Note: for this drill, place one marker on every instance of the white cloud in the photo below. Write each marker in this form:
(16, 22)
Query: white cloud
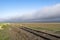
(48, 13)
(51, 11)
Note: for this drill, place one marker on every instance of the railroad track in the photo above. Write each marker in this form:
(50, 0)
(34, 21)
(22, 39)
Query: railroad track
(45, 36)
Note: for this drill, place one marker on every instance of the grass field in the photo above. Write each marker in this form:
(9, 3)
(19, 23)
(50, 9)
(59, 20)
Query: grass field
(4, 35)
(53, 28)
(46, 27)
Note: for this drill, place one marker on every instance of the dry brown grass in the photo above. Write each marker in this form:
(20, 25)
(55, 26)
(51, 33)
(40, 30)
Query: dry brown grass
(23, 35)
(52, 26)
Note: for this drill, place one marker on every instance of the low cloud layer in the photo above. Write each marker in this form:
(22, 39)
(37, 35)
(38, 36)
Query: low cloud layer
(48, 14)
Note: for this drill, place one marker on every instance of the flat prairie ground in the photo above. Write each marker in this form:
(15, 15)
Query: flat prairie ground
(4, 35)
(45, 27)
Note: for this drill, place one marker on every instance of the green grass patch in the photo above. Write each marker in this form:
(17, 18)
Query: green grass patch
(4, 35)
(48, 28)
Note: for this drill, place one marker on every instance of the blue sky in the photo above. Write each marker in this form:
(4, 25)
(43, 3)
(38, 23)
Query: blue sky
(25, 9)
